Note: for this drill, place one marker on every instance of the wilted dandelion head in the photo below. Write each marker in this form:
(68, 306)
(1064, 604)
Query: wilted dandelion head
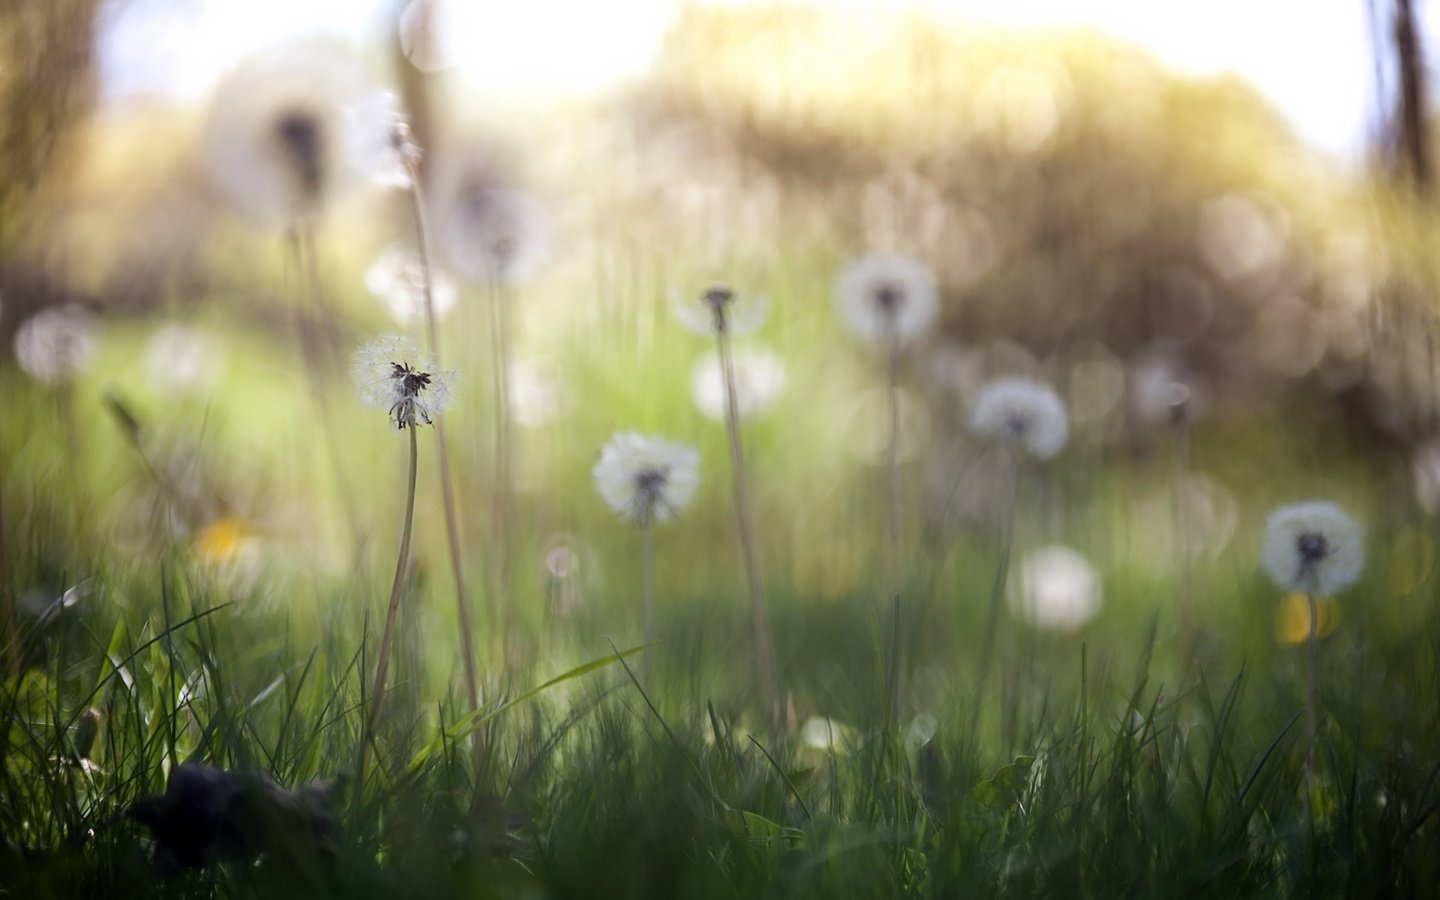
(397, 277)
(283, 130)
(887, 298)
(492, 232)
(55, 344)
(1023, 413)
(759, 381)
(1313, 547)
(1059, 589)
(719, 306)
(646, 479)
(392, 374)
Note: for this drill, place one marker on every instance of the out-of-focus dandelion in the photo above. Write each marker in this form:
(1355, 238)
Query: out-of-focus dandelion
(279, 138)
(1313, 548)
(537, 394)
(645, 480)
(397, 277)
(722, 304)
(760, 380)
(180, 359)
(492, 233)
(890, 301)
(887, 298)
(392, 374)
(741, 314)
(1059, 589)
(56, 344)
(1024, 414)
(378, 139)
(1162, 391)
(828, 735)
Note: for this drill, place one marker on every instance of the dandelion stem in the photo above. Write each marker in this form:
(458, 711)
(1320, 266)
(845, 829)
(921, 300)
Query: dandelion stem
(1182, 543)
(447, 487)
(900, 643)
(382, 665)
(997, 594)
(759, 611)
(500, 509)
(7, 599)
(648, 593)
(1310, 700)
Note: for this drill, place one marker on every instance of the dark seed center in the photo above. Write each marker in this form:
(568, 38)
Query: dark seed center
(1312, 548)
(301, 134)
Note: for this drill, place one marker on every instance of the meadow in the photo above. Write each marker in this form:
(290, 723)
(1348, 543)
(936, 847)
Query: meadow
(995, 609)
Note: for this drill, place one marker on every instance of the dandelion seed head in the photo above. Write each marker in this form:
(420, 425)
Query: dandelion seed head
(391, 374)
(646, 479)
(56, 344)
(1023, 413)
(743, 314)
(180, 359)
(397, 277)
(492, 232)
(760, 380)
(279, 139)
(1162, 390)
(1313, 547)
(885, 298)
(379, 140)
(1059, 589)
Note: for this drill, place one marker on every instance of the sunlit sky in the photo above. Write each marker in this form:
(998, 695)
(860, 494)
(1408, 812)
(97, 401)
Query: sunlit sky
(1311, 57)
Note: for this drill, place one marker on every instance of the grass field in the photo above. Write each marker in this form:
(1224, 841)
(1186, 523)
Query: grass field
(199, 522)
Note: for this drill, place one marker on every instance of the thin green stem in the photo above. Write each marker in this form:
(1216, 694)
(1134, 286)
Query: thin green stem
(759, 611)
(500, 508)
(648, 593)
(447, 487)
(899, 638)
(1311, 701)
(997, 592)
(382, 665)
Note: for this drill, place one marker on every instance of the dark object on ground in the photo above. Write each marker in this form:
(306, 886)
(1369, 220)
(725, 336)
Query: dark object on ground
(211, 815)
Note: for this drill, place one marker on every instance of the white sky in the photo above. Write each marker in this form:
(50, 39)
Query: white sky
(1311, 57)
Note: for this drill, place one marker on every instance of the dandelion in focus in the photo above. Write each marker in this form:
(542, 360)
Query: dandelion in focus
(397, 277)
(278, 141)
(887, 298)
(1059, 590)
(760, 380)
(56, 344)
(645, 480)
(1313, 548)
(1022, 413)
(392, 374)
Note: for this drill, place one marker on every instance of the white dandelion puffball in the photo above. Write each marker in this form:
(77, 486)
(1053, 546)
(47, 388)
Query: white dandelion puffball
(57, 343)
(278, 140)
(180, 359)
(1059, 589)
(647, 479)
(398, 279)
(828, 735)
(392, 375)
(759, 381)
(886, 298)
(538, 395)
(492, 232)
(377, 135)
(743, 313)
(1313, 547)
(1024, 413)
(1162, 391)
